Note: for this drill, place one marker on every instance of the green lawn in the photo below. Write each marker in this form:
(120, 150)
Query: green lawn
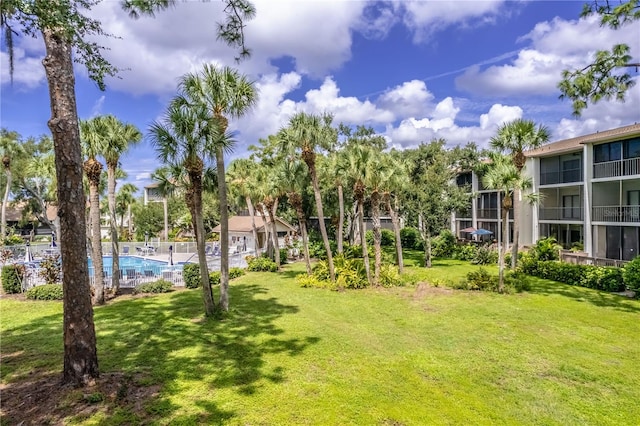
(402, 356)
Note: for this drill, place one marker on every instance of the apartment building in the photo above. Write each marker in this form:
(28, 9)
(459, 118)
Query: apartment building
(590, 187)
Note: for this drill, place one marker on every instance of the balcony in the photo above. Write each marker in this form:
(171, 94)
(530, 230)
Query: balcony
(626, 167)
(463, 213)
(627, 214)
(487, 213)
(561, 213)
(565, 176)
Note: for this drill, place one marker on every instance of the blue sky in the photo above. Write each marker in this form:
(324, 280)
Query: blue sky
(412, 70)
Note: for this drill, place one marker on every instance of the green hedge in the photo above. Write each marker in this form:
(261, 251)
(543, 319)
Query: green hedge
(160, 286)
(631, 275)
(261, 264)
(12, 276)
(45, 292)
(596, 277)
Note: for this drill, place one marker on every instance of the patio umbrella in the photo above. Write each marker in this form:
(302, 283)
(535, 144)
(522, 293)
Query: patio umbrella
(469, 229)
(481, 232)
(28, 257)
(53, 240)
(170, 255)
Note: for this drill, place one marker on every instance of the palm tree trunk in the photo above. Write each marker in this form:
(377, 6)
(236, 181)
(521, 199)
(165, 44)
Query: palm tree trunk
(129, 223)
(340, 218)
(426, 236)
(224, 229)
(363, 241)
(254, 230)
(271, 207)
(165, 210)
(5, 200)
(96, 245)
(516, 231)
(115, 250)
(194, 202)
(323, 228)
(503, 252)
(377, 236)
(396, 232)
(80, 354)
(353, 227)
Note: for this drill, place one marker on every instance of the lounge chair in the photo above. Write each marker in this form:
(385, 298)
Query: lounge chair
(125, 250)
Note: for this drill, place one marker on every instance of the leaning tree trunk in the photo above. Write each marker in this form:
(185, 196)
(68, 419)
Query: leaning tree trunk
(224, 227)
(309, 158)
(274, 231)
(5, 200)
(340, 218)
(377, 236)
(96, 243)
(254, 229)
(396, 231)
(363, 240)
(193, 197)
(115, 250)
(80, 353)
(295, 200)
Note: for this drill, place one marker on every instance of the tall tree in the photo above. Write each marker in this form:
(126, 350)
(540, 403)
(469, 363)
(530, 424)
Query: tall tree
(219, 93)
(513, 139)
(241, 176)
(308, 133)
(376, 176)
(393, 187)
(503, 176)
(180, 143)
(10, 148)
(599, 79)
(65, 26)
(91, 136)
(118, 137)
(124, 200)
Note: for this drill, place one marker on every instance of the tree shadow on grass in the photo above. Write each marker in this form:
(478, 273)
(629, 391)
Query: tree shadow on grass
(164, 342)
(582, 294)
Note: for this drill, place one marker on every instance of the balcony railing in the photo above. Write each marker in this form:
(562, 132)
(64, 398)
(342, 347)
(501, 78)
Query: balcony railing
(487, 213)
(627, 167)
(465, 213)
(565, 176)
(561, 213)
(616, 214)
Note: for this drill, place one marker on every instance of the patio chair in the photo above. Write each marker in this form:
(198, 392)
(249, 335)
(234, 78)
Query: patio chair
(148, 273)
(208, 251)
(132, 276)
(125, 250)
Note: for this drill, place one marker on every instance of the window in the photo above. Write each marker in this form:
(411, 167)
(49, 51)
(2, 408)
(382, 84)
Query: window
(607, 152)
(632, 148)
(571, 170)
(633, 198)
(571, 207)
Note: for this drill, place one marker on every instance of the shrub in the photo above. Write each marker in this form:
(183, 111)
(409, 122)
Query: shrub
(631, 275)
(350, 273)
(389, 276)
(160, 286)
(191, 275)
(284, 255)
(485, 256)
(465, 252)
(12, 276)
(411, 238)
(596, 277)
(51, 269)
(444, 245)
(306, 281)
(516, 281)
(262, 264)
(547, 249)
(13, 240)
(235, 273)
(386, 238)
(482, 280)
(214, 278)
(45, 292)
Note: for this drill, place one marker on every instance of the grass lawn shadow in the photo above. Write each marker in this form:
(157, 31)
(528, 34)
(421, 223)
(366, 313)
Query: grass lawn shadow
(161, 343)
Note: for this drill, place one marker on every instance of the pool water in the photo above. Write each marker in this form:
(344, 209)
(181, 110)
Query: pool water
(138, 264)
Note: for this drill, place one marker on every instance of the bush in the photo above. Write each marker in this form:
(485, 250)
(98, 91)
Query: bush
(284, 256)
(51, 269)
(45, 292)
(214, 278)
(444, 245)
(631, 275)
(485, 256)
(191, 275)
(590, 276)
(389, 276)
(235, 273)
(262, 264)
(516, 281)
(386, 238)
(465, 252)
(160, 286)
(547, 249)
(411, 238)
(482, 280)
(13, 240)
(12, 276)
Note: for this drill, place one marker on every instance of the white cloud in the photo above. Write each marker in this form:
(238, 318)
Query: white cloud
(499, 115)
(555, 45)
(96, 109)
(408, 99)
(28, 70)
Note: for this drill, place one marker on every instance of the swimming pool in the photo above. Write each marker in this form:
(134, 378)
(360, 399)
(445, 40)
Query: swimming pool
(134, 263)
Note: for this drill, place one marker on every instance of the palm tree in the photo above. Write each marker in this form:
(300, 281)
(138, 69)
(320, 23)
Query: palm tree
(268, 192)
(240, 175)
(9, 149)
(514, 138)
(292, 175)
(179, 143)
(360, 158)
(338, 170)
(124, 200)
(308, 133)
(502, 175)
(91, 132)
(392, 187)
(376, 176)
(219, 93)
(117, 139)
